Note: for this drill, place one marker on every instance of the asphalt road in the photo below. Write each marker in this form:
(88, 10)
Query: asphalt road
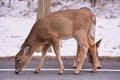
(6, 74)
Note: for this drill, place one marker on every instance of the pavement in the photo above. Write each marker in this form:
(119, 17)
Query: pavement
(110, 70)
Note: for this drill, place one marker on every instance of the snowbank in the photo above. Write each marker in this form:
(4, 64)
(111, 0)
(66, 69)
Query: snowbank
(16, 22)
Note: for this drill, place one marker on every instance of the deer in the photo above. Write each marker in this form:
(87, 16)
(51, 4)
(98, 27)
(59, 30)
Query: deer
(63, 24)
(89, 56)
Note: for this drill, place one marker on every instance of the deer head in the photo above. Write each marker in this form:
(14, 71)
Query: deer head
(22, 58)
(89, 53)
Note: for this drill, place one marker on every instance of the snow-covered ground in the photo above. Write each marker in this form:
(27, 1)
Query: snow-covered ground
(15, 26)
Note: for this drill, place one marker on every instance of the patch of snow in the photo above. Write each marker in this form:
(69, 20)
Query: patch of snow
(13, 32)
(16, 22)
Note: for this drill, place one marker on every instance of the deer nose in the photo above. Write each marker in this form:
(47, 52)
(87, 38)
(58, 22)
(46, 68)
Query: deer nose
(16, 72)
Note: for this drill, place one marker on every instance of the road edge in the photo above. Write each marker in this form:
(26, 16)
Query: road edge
(67, 57)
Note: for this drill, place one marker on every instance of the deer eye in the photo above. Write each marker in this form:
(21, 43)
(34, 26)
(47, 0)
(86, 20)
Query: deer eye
(18, 61)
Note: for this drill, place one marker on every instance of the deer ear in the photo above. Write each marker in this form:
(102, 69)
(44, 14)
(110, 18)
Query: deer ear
(98, 43)
(26, 50)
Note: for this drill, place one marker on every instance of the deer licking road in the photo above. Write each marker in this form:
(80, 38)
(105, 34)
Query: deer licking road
(64, 24)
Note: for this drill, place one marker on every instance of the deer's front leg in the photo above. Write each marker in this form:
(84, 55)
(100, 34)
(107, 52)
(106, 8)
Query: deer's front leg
(55, 44)
(44, 50)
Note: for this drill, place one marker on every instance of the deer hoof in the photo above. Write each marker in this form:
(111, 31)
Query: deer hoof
(74, 67)
(60, 73)
(36, 71)
(17, 73)
(76, 72)
(93, 71)
(98, 67)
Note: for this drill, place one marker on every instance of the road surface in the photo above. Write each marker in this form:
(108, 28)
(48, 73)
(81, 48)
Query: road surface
(110, 71)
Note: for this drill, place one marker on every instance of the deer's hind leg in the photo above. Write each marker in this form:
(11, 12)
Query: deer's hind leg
(76, 59)
(82, 40)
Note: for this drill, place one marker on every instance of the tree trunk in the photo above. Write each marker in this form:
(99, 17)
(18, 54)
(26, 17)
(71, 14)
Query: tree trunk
(43, 8)
(47, 6)
(93, 2)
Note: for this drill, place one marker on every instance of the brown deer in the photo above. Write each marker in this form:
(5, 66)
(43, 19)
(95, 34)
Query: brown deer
(50, 29)
(89, 55)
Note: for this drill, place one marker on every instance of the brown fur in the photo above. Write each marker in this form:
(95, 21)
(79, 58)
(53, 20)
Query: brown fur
(55, 26)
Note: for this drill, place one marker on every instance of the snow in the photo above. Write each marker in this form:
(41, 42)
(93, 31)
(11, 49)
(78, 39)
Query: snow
(16, 22)
(109, 31)
(13, 33)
